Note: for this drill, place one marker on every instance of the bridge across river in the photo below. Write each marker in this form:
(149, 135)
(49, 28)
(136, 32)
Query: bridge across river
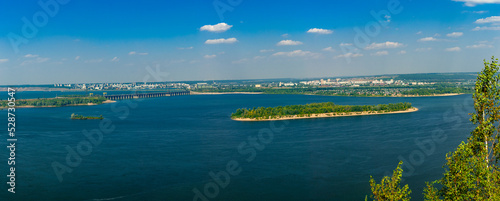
(146, 95)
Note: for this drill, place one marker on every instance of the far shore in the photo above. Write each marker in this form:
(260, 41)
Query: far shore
(327, 115)
(221, 93)
(85, 104)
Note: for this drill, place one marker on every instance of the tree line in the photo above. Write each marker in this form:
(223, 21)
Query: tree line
(57, 102)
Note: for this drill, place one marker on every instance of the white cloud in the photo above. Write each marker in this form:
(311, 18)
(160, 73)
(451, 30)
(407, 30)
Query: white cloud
(115, 59)
(492, 19)
(138, 53)
(486, 29)
(31, 56)
(264, 51)
(348, 55)
(221, 41)
(380, 53)
(36, 59)
(455, 34)
(419, 32)
(386, 45)
(453, 49)
(210, 56)
(472, 3)
(427, 39)
(185, 48)
(345, 44)
(476, 46)
(402, 52)
(297, 53)
(289, 42)
(329, 49)
(423, 49)
(221, 27)
(320, 31)
(3, 60)
(284, 35)
(77, 57)
(259, 57)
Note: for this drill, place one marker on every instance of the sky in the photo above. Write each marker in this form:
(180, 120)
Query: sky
(69, 41)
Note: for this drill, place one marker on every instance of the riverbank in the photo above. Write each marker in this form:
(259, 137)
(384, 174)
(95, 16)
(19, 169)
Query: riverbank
(327, 115)
(83, 104)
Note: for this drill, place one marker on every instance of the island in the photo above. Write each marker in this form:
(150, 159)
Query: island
(318, 110)
(81, 117)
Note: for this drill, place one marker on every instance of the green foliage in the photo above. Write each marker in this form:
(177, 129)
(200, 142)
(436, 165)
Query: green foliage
(81, 117)
(472, 172)
(389, 188)
(56, 102)
(315, 108)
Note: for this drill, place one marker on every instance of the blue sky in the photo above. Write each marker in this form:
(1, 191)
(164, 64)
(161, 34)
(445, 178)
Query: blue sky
(69, 41)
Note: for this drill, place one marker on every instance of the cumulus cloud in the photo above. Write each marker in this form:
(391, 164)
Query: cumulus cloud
(453, 49)
(3, 60)
(380, 53)
(297, 53)
(486, 29)
(289, 42)
(221, 27)
(472, 3)
(455, 34)
(210, 56)
(348, 55)
(329, 49)
(320, 31)
(386, 45)
(264, 51)
(345, 44)
(424, 49)
(492, 19)
(137, 53)
(31, 56)
(221, 41)
(427, 39)
(482, 45)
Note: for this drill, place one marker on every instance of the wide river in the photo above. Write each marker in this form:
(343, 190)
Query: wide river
(188, 148)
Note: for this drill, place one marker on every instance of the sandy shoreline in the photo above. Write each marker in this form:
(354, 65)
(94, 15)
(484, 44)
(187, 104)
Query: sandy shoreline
(327, 115)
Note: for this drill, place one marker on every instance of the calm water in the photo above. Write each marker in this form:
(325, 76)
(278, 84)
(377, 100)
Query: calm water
(163, 148)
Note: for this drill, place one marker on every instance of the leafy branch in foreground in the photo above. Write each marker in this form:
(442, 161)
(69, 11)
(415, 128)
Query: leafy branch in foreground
(389, 188)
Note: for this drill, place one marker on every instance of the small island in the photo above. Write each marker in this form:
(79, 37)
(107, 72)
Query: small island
(318, 110)
(61, 101)
(81, 117)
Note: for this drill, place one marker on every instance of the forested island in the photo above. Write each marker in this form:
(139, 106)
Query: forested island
(56, 102)
(81, 117)
(318, 110)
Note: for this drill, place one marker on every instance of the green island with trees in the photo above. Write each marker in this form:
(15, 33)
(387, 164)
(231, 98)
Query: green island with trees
(472, 171)
(56, 102)
(317, 110)
(81, 117)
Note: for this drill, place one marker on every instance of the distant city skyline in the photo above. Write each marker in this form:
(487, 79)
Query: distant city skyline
(64, 41)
